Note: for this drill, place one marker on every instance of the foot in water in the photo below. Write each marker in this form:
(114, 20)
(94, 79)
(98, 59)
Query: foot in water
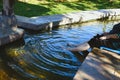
(81, 47)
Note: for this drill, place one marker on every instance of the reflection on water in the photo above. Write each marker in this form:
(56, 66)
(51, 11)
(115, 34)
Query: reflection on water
(43, 55)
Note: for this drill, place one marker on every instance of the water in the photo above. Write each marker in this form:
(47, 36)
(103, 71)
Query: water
(43, 56)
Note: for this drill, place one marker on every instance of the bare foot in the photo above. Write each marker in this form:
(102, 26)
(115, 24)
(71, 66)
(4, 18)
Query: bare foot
(82, 47)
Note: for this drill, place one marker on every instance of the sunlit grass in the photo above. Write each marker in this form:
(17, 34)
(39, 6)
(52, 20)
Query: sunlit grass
(31, 8)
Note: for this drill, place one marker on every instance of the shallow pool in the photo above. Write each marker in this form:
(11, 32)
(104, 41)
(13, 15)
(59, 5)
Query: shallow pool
(43, 55)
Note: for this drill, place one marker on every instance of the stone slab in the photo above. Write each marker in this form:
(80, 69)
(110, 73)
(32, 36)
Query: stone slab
(47, 22)
(99, 65)
(9, 35)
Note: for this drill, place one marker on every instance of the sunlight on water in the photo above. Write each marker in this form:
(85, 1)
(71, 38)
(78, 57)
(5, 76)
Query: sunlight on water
(43, 56)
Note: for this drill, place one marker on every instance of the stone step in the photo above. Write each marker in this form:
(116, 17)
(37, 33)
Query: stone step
(9, 35)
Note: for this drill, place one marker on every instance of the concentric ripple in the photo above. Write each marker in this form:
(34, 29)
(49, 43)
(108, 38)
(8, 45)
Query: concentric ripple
(44, 56)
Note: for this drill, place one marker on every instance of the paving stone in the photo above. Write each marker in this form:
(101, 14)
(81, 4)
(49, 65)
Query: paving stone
(99, 65)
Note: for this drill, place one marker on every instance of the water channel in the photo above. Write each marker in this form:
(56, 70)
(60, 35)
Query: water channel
(43, 55)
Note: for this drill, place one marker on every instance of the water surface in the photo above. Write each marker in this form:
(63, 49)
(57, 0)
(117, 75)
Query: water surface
(43, 56)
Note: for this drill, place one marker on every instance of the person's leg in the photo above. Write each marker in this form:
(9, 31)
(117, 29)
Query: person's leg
(94, 42)
(110, 43)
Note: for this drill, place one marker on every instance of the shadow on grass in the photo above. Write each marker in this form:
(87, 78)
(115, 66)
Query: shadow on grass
(106, 4)
(26, 9)
(93, 4)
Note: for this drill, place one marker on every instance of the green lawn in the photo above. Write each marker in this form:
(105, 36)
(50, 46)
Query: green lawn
(42, 7)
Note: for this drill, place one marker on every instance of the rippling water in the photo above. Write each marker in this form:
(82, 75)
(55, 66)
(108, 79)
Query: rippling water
(43, 56)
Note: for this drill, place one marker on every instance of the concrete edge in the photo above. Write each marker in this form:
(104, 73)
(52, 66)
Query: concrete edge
(99, 66)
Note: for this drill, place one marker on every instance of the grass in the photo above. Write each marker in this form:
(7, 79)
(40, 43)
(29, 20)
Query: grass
(47, 7)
